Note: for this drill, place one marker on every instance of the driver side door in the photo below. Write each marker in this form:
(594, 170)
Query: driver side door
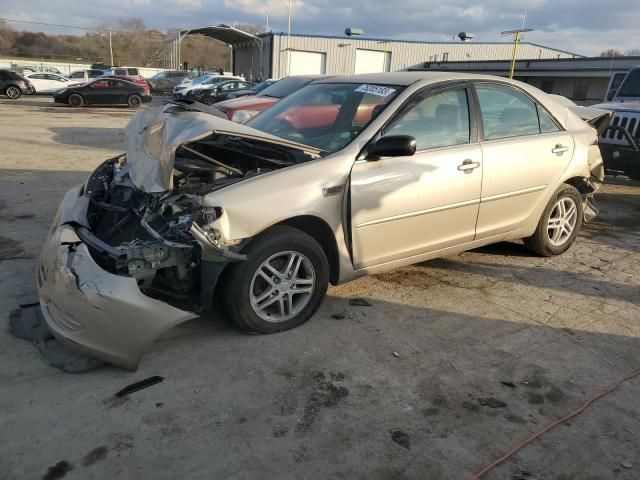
(404, 207)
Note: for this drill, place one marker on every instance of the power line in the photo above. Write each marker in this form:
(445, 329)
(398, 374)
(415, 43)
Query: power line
(53, 24)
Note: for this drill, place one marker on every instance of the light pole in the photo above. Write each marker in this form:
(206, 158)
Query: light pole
(516, 40)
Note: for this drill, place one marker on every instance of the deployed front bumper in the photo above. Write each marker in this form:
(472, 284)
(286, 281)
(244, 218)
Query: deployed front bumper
(90, 309)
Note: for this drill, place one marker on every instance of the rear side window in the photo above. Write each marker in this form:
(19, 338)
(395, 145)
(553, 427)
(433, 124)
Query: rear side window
(77, 75)
(132, 71)
(506, 112)
(437, 120)
(9, 75)
(547, 124)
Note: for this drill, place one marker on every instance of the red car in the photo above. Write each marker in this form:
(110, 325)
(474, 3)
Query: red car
(242, 109)
(138, 80)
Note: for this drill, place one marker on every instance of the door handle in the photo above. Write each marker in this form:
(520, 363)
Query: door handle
(468, 166)
(559, 149)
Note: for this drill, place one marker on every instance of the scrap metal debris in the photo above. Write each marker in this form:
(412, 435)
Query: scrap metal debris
(525, 475)
(359, 302)
(491, 402)
(401, 438)
(508, 384)
(134, 387)
(396, 354)
(627, 465)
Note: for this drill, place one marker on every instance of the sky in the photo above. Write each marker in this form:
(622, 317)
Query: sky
(582, 26)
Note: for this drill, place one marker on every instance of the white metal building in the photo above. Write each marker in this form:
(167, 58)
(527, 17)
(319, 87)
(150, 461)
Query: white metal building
(277, 55)
(281, 55)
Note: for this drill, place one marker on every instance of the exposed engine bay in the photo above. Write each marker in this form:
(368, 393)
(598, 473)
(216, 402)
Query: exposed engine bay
(165, 240)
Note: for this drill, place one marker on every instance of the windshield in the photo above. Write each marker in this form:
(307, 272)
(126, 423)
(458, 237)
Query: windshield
(261, 86)
(631, 85)
(327, 116)
(285, 87)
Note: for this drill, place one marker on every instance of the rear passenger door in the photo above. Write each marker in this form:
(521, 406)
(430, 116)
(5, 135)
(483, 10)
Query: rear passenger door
(524, 151)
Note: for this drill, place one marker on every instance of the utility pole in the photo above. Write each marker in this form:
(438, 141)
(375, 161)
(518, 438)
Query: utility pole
(516, 41)
(110, 46)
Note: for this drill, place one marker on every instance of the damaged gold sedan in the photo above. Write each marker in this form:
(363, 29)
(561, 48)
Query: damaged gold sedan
(346, 177)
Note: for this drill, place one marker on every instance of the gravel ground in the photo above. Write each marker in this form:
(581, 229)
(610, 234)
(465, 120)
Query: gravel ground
(407, 388)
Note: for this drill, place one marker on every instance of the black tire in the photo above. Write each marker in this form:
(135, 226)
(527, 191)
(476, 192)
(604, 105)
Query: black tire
(237, 282)
(540, 241)
(134, 101)
(75, 100)
(13, 92)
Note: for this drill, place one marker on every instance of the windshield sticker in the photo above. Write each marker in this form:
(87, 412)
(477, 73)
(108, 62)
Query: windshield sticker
(376, 90)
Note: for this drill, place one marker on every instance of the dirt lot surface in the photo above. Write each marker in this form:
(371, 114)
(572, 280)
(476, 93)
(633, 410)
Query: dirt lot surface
(407, 388)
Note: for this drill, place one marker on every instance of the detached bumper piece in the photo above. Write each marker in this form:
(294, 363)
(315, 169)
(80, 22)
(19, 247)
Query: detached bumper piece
(27, 323)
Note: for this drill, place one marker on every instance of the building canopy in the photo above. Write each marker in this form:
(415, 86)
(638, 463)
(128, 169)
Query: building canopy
(225, 33)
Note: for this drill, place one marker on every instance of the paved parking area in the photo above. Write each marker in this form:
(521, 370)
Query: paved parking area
(395, 390)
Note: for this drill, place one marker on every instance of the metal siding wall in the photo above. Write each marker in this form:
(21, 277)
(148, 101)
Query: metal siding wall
(403, 54)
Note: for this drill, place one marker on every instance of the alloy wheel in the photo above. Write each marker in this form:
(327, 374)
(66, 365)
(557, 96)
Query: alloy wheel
(562, 221)
(282, 286)
(13, 92)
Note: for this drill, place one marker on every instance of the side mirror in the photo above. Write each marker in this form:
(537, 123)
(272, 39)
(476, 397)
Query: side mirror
(392, 146)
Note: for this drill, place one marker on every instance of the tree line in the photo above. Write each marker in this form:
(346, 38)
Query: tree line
(132, 42)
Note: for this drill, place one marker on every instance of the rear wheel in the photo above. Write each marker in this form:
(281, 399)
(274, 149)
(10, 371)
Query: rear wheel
(75, 100)
(134, 101)
(281, 284)
(559, 225)
(13, 92)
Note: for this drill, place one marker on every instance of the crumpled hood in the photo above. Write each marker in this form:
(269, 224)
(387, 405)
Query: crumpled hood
(154, 135)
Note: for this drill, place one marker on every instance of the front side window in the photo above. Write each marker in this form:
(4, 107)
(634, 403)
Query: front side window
(506, 112)
(327, 116)
(100, 84)
(435, 120)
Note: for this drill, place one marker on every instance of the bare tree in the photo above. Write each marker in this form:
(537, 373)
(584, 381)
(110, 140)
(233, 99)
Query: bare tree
(611, 52)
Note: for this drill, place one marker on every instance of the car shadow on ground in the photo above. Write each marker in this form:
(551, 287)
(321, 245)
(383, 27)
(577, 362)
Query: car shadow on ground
(97, 137)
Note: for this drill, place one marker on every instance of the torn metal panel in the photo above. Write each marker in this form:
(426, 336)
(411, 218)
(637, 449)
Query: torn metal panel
(154, 135)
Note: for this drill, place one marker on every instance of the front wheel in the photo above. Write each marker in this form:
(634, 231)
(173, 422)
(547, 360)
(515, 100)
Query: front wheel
(280, 285)
(559, 225)
(13, 92)
(134, 101)
(75, 100)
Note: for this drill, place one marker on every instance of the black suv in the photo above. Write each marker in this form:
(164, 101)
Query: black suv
(12, 84)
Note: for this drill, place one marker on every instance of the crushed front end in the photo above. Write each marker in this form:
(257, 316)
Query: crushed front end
(134, 251)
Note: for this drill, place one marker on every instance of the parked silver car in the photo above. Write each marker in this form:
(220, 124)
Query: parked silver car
(346, 177)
